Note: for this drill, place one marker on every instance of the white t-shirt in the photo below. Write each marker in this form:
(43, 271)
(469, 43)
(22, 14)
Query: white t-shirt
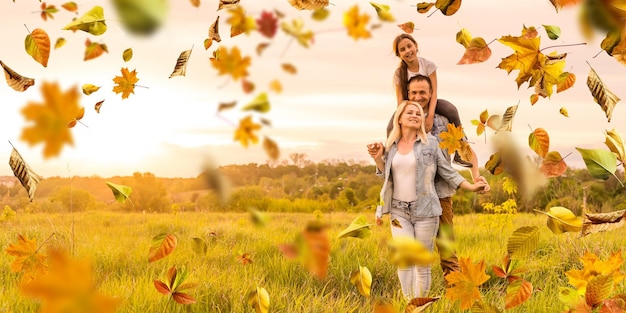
(427, 67)
(403, 167)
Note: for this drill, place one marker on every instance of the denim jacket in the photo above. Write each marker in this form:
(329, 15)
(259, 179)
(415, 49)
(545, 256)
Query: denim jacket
(444, 190)
(430, 161)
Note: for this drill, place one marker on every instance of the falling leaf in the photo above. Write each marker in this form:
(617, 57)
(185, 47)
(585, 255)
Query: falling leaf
(356, 24)
(271, 148)
(276, 86)
(214, 34)
(523, 241)
(79, 116)
(308, 4)
(24, 173)
(507, 120)
(564, 112)
(614, 141)
(464, 283)
(260, 47)
(127, 54)
(37, 45)
(239, 22)
(383, 12)
(59, 43)
(258, 218)
(447, 7)
(495, 165)
(417, 305)
(125, 84)
(484, 120)
(405, 251)
(296, 30)
(227, 4)
(320, 14)
(259, 299)
(180, 68)
(162, 245)
(120, 192)
(175, 284)
(289, 68)
(89, 89)
(47, 11)
(195, 3)
(396, 223)
(15, 80)
(559, 4)
(601, 222)
(91, 22)
(476, 49)
(566, 81)
(98, 106)
(554, 32)
(407, 27)
(601, 95)
(247, 86)
(267, 24)
(68, 286)
(362, 279)
(358, 228)
(561, 220)
(226, 105)
(381, 307)
(70, 6)
(553, 165)
(141, 17)
(517, 292)
(451, 139)
(245, 132)
(593, 268)
(259, 104)
(28, 259)
(94, 50)
(265, 122)
(601, 164)
(231, 63)
(245, 258)
(51, 118)
(539, 141)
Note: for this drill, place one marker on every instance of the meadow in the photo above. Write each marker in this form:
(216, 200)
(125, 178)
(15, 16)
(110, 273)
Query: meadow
(117, 244)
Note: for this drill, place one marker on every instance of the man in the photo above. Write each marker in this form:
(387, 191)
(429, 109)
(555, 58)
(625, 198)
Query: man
(420, 91)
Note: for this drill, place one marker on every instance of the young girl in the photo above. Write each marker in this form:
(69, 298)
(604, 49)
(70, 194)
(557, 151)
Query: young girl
(405, 47)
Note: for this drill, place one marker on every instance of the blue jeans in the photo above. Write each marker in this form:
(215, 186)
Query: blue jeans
(414, 280)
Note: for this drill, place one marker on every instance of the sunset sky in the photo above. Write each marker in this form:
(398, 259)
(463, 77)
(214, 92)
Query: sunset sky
(340, 99)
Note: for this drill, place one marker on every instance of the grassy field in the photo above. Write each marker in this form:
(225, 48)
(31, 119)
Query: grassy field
(117, 246)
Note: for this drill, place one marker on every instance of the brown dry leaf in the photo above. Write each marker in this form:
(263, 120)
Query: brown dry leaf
(227, 4)
(601, 95)
(214, 34)
(260, 47)
(316, 254)
(417, 305)
(15, 80)
(180, 69)
(289, 68)
(308, 4)
(271, 148)
(98, 106)
(195, 3)
(600, 222)
(226, 105)
(51, 118)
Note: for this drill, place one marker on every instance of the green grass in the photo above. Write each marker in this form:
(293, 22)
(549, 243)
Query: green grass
(117, 246)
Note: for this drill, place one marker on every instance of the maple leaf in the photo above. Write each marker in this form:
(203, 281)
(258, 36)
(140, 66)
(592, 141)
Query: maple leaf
(174, 285)
(464, 284)
(52, 118)
(267, 24)
(231, 62)
(68, 287)
(245, 132)
(451, 139)
(240, 23)
(593, 267)
(356, 24)
(125, 84)
(296, 30)
(27, 258)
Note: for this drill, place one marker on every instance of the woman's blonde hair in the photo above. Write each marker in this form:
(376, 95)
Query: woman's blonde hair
(396, 131)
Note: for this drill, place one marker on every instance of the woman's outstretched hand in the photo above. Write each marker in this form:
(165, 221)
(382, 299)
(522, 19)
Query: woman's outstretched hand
(375, 150)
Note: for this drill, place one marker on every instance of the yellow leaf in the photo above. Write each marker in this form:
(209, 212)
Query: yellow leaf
(539, 141)
(89, 89)
(91, 22)
(356, 24)
(59, 43)
(405, 251)
(37, 45)
(320, 14)
(362, 279)
(259, 299)
(464, 283)
(517, 292)
(451, 139)
(383, 12)
(561, 220)
(51, 118)
(614, 141)
(245, 132)
(127, 54)
(240, 23)
(260, 104)
(271, 148)
(231, 63)
(15, 80)
(296, 30)
(594, 267)
(289, 68)
(476, 49)
(564, 112)
(125, 84)
(276, 86)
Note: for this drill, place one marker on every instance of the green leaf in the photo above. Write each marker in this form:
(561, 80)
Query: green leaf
(359, 228)
(259, 104)
(523, 241)
(91, 22)
(141, 17)
(120, 192)
(258, 218)
(554, 32)
(570, 297)
(601, 164)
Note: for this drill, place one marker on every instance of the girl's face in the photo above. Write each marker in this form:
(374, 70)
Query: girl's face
(407, 50)
(411, 116)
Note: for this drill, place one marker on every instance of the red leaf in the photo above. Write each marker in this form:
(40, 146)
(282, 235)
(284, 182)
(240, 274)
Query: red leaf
(499, 272)
(267, 24)
(161, 287)
(183, 298)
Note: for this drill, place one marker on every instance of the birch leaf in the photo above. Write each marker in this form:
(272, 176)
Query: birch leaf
(566, 81)
(507, 119)
(142, 17)
(180, 68)
(561, 220)
(601, 164)
(407, 27)
(37, 45)
(94, 50)
(91, 22)
(15, 80)
(259, 104)
(476, 49)
(601, 95)
(70, 6)
(162, 245)
(517, 292)
(89, 89)
(523, 241)
(120, 192)
(127, 54)
(271, 148)
(289, 68)
(614, 141)
(362, 279)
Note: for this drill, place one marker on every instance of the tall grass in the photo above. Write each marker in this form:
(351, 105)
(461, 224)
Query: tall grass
(117, 245)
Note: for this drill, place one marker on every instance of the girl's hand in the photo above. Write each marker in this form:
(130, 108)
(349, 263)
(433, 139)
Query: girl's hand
(479, 186)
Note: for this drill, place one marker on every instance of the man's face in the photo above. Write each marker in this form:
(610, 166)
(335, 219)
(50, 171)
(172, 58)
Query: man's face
(420, 92)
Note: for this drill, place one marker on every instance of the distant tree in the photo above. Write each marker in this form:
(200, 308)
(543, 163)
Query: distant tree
(74, 199)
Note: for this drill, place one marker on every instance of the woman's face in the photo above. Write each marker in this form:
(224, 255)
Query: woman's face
(411, 116)
(407, 50)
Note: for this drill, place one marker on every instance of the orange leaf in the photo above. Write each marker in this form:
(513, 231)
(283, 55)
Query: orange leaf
(539, 141)
(464, 284)
(195, 3)
(162, 245)
(289, 68)
(231, 63)
(183, 298)
(98, 106)
(70, 6)
(356, 24)
(260, 47)
(245, 258)
(162, 287)
(240, 23)
(407, 27)
(553, 165)
(451, 139)
(517, 292)
(276, 86)
(566, 80)
(27, 258)
(125, 84)
(247, 86)
(245, 132)
(559, 4)
(316, 252)
(51, 118)
(271, 148)
(94, 50)
(37, 45)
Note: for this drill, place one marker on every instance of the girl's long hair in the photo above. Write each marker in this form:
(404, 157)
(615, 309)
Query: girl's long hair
(396, 131)
(402, 67)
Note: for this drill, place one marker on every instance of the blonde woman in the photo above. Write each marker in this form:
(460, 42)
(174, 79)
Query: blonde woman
(409, 162)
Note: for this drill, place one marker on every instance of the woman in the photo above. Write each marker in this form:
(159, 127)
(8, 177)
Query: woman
(405, 47)
(412, 159)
